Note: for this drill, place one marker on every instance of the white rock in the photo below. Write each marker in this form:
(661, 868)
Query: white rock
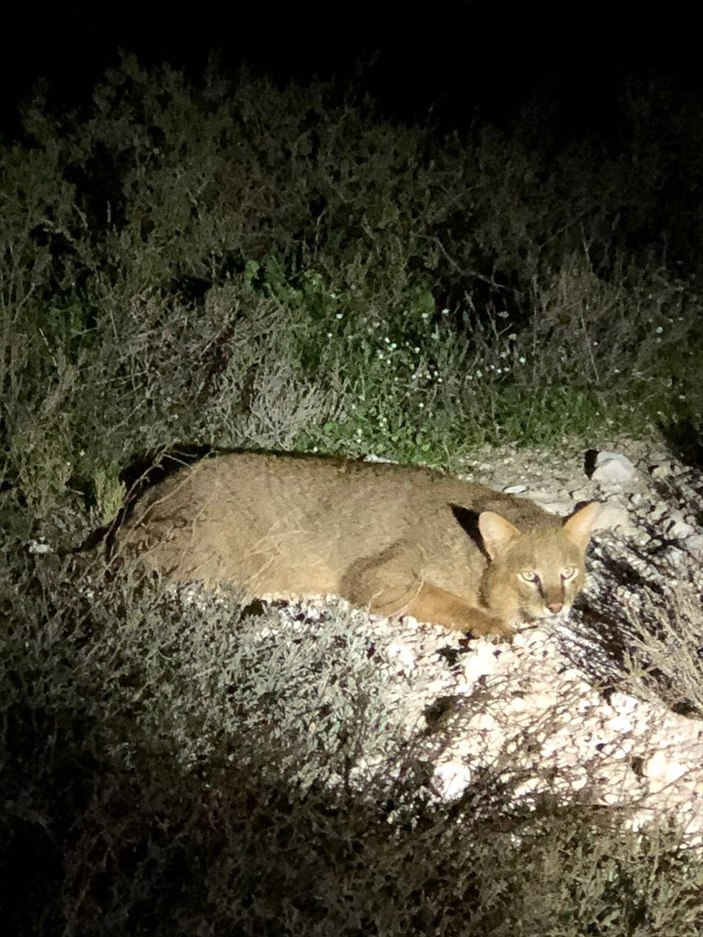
(483, 722)
(623, 702)
(541, 496)
(662, 770)
(404, 655)
(483, 661)
(694, 545)
(613, 469)
(658, 511)
(582, 493)
(515, 489)
(542, 702)
(530, 786)
(613, 517)
(679, 529)
(535, 640)
(451, 779)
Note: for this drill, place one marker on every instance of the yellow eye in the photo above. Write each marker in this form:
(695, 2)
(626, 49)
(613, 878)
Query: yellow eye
(529, 575)
(568, 572)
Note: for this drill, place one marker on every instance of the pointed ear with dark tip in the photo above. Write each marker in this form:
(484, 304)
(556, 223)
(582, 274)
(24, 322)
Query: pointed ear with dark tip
(496, 532)
(579, 525)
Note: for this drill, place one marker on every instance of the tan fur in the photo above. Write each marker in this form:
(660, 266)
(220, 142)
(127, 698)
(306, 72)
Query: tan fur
(397, 540)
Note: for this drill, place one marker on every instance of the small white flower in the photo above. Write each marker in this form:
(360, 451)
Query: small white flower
(38, 548)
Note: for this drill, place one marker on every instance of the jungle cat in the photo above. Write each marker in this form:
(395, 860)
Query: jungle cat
(394, 539)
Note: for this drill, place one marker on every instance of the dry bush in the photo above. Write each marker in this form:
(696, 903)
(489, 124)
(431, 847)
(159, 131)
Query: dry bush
(171, 766)
(643, 626)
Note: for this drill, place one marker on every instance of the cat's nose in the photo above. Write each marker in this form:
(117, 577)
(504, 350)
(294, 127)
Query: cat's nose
(555, 607)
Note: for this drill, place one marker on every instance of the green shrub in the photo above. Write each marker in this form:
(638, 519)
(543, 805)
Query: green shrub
(239, 264)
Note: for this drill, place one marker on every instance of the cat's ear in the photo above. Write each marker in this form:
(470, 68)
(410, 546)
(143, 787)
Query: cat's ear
(579, 525)
(496, 532)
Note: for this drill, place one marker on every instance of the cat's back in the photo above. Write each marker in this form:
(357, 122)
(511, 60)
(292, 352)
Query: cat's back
(259, 486)
(315, 493)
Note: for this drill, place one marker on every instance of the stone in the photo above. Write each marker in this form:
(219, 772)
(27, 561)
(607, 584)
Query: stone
(582, 493)
(695, 545)
(658, 511)
(613, 470)
(614, 517)
(679, 529)
(452, 779)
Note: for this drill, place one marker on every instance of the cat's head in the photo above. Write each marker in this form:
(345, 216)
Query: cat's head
(536, 573)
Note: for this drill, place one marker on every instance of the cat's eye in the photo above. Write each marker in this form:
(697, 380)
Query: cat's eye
(568, 572)
(529, 575)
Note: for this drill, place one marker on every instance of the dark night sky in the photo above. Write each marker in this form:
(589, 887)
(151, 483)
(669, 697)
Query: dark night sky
(447, 56)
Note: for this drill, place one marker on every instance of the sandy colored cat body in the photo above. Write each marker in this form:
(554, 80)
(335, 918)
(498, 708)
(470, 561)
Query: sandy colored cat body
(398, 540)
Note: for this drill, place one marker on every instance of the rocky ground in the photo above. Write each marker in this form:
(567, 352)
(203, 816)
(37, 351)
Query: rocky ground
(608, 707)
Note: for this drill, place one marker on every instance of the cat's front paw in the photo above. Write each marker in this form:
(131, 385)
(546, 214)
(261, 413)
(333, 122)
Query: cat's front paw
(486, 624)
